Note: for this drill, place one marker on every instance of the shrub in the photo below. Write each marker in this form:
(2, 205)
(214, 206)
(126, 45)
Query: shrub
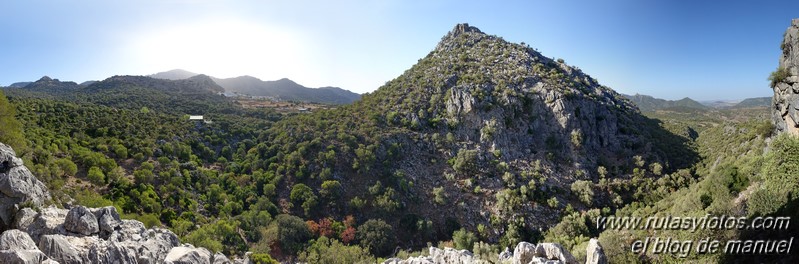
(327, 250)
(96, 176)
(777, 76)
(577, 138)
(439, 195)
(378, 236)
(262, 258)
(465, 161)
(463, 239)
(583, 190)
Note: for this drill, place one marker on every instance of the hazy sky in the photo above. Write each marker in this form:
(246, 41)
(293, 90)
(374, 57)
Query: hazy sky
(668, 49)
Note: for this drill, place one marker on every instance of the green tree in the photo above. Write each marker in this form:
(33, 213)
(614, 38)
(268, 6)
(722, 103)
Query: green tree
(96, 176)
(10, 128)
(304, 195)
(378, 236)
(67, 166)
(330, 189)
(287, 232)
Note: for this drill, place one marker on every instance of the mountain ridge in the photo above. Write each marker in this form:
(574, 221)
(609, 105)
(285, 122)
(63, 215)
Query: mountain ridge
(282, 89)
(649, 103)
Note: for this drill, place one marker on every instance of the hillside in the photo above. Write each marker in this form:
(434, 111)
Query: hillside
(176, 74)
(288, 90)
(482, 134)
(196, 95)
(650, 104)
(754, 102)
(283, 89)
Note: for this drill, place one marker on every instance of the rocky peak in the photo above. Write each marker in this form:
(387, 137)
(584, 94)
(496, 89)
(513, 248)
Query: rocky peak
(785, 82)
(465, 28)
(45, 79)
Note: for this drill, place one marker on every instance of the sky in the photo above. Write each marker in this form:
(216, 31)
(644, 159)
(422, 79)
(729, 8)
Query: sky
(706, 50)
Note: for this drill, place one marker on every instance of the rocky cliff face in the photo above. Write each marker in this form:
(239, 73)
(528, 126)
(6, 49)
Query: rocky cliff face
(785, 81)
(33, 233)
(524, 253)
(17, 187)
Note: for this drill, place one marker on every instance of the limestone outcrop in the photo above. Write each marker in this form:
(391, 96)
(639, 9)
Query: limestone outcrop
(523, 253)
(18, 187)
(785, 82)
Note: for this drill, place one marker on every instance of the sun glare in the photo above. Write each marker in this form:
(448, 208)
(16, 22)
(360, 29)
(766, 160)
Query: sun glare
(222, 48)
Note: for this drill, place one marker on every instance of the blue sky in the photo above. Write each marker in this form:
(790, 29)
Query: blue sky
(668, 49)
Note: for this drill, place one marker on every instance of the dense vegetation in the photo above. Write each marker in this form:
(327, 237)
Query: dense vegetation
(399, 169)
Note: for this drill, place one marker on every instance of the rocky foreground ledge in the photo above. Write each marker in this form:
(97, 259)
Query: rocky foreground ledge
(524, 253)
(33, 233)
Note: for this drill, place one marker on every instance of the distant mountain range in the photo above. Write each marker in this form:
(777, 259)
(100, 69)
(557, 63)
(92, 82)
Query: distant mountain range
(283, 89)
(754, 102)
(648, 103)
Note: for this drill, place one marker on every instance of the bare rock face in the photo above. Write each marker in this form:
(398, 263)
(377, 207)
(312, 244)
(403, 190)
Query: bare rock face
(450, 255)
(220, 258)
(17, 247)
(785, 112)
(188, 255)
(18, 187)
(594, 253)
(60, 249)
(524, 253)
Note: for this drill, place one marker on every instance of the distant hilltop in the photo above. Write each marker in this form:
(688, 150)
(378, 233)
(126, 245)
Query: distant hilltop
(283, 89)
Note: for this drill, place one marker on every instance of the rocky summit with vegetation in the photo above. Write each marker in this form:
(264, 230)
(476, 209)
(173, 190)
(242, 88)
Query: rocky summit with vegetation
(480, 146)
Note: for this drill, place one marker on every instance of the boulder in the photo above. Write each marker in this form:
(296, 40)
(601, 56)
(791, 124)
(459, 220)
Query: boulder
(188, 254)
(82, 221)
(59, 249)
(554, 251)
(594, 253)
(17, 247)
(450, 256)
(220, 258)
(16, 240)
(108, 220)
(48, 221)
(18, 187)
(523, 253)
(23, 257)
